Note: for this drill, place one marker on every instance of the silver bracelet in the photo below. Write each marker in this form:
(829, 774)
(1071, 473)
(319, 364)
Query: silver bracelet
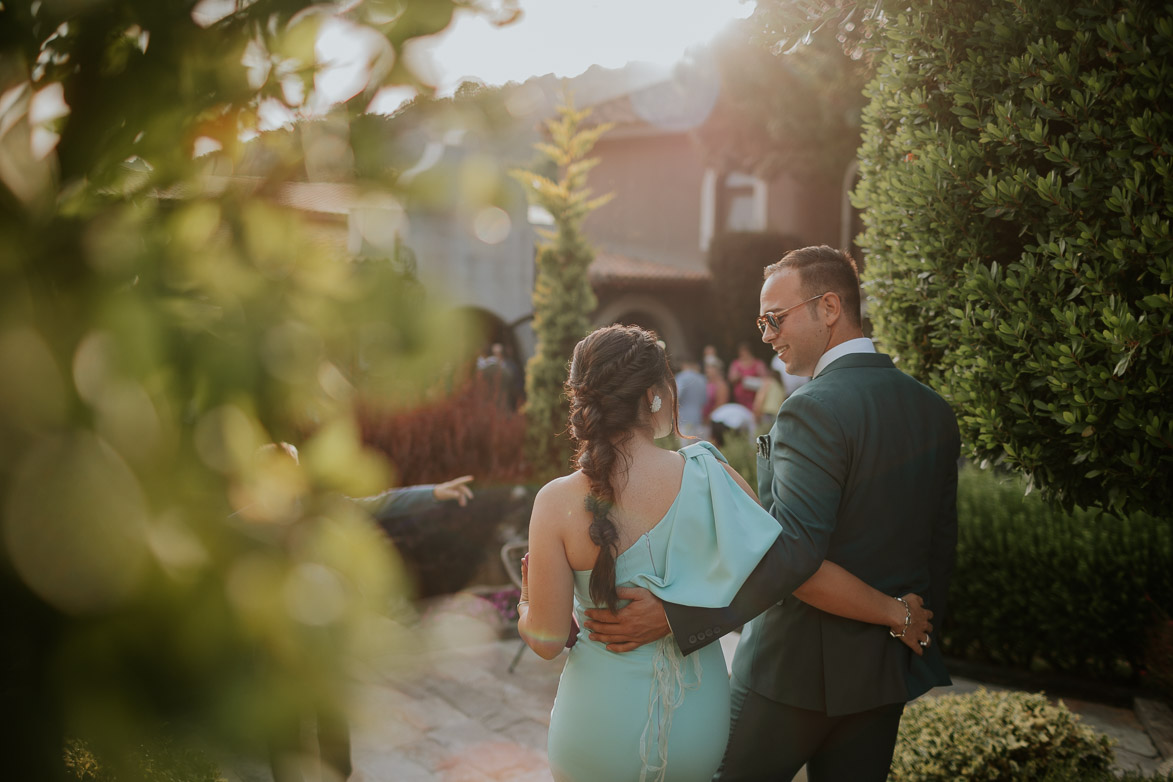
(907, 619)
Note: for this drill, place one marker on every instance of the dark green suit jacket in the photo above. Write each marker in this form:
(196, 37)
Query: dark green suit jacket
(862, 471)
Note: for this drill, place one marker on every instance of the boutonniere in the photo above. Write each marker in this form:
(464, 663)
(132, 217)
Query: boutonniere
(764, 446)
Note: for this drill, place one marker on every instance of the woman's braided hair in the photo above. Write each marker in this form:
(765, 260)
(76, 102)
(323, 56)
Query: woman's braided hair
(611, 370)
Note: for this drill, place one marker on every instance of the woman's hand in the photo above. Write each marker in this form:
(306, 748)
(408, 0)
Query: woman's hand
(455, 489)
(525, 578)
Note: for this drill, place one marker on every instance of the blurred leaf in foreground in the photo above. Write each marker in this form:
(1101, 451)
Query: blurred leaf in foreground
(162, 317)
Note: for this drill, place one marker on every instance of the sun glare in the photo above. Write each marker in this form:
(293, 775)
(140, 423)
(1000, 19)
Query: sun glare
(566, 37)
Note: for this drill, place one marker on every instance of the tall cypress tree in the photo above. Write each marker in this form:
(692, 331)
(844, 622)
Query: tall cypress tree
(563, 298)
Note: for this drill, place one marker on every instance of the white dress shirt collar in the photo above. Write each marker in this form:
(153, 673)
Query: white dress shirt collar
(857, 345)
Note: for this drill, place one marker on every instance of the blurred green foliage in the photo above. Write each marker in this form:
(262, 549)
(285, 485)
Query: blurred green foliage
(563, 297)
(161, 761)
(1034, 587)
(162, 316)
(741, 453)
(785, 26)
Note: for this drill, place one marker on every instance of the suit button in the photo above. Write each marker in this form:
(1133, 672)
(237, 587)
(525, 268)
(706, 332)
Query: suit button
(692, 639)
(709, 633)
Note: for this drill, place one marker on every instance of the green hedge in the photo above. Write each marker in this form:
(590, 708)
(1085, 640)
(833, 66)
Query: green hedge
(1016, 169)
(1078, 593)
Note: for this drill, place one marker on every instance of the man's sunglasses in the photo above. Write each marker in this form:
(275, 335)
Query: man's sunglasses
(774, 319)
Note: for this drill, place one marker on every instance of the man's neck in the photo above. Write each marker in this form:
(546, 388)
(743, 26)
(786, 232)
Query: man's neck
(842, 348)
(839, 336)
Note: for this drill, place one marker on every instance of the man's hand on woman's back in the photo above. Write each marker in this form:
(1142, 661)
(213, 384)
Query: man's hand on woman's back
(639, 622)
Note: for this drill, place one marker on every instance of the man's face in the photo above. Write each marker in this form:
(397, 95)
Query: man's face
(801, 338)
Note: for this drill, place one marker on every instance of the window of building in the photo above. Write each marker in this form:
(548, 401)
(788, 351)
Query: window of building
(740, 198)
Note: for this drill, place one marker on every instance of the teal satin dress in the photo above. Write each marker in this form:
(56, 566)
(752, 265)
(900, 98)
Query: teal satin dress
(652, 714)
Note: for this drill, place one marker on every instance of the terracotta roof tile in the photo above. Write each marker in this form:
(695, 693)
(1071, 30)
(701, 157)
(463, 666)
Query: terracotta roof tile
(614, 269)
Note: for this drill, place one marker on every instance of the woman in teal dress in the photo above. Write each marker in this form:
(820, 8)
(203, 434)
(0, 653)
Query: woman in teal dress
(682, 524)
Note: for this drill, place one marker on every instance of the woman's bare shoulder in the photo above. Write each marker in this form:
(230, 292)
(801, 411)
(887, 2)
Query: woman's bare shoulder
(564, 494)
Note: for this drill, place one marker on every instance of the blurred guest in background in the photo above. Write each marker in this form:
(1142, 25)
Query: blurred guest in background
(745, 375)
(502, 376)
(691, 395)
(716, 389)
(769, 398)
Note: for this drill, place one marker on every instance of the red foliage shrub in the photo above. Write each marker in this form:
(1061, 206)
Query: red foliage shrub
(465, 433)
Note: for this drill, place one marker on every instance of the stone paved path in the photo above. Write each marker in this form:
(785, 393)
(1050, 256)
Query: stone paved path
(448, 710)
(462, 717)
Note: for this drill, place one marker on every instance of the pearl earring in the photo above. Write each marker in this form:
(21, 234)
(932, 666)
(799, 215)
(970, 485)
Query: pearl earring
(657, 403)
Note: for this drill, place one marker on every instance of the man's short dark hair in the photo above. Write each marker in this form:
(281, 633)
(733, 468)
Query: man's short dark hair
(822, 269)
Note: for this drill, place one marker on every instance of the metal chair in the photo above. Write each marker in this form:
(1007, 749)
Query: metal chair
(511, 554)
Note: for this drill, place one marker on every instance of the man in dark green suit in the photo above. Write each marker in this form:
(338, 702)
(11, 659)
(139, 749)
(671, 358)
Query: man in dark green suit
(861, 467)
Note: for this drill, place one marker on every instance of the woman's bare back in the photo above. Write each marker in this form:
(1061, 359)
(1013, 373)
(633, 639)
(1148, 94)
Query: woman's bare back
(643, 496)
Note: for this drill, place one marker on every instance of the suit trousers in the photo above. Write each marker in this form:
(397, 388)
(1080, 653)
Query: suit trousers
(772, 741)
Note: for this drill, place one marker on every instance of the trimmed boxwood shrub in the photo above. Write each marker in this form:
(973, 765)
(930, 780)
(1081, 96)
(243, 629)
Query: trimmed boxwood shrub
(1080, 593)
(1016, 169)
(995, 736)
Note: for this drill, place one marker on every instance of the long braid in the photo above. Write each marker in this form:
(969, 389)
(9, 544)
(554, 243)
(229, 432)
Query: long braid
(610, 371)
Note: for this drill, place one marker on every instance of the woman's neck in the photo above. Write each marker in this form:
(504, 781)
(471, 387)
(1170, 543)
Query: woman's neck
(641, 441)
(640, 449)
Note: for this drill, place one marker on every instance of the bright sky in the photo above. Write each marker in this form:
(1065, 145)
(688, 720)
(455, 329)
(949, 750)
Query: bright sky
(565, 37)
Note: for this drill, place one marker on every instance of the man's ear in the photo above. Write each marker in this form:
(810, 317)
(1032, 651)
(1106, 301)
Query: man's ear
(832, 307)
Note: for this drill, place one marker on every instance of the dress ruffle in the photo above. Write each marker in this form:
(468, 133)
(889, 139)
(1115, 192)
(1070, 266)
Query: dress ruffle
(716, 535)
(669, 684)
